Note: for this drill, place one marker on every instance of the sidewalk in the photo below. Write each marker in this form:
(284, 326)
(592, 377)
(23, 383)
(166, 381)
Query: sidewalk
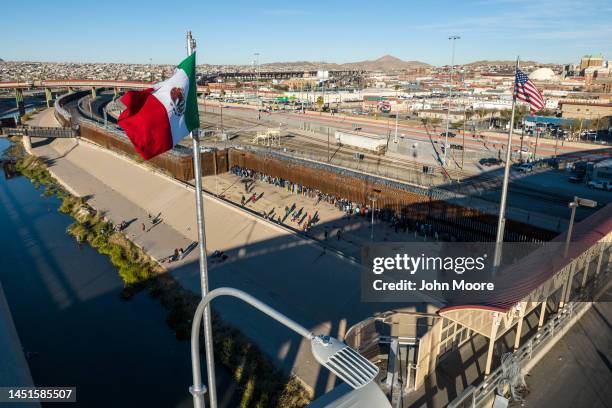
(581, 358)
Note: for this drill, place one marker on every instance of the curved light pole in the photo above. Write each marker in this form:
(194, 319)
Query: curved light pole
(333, 354)
(577, 202)
(450, 95)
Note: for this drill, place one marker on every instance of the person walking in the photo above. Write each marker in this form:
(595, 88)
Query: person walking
(242, 200)
(142, 227)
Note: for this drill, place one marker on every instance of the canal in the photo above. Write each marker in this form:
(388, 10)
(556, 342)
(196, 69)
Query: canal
(73, 324)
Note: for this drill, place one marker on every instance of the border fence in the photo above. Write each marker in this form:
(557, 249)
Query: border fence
(410, 201)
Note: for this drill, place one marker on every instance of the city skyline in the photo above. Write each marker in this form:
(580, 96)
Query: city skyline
(546, 32)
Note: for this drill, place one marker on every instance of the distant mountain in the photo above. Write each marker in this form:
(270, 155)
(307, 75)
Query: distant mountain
(510, 63)
(385, 63)
(1, 60)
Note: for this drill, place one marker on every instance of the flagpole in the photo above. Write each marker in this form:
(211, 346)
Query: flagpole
(198, 390)
(501, 223)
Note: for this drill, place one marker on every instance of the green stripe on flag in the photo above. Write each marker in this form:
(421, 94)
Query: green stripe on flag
(192, 117)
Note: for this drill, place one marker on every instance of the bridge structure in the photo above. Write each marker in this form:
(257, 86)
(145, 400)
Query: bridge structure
(49, 85)
(71, 85)
(253, 75)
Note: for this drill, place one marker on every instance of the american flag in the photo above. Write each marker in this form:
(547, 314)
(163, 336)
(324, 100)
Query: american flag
(526, 91)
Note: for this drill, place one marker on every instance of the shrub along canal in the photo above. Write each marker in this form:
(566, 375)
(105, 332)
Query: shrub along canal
(74, 326)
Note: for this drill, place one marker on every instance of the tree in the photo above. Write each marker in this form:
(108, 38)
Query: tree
(597, 123)
(468, 114)
(457, 125)
(505, 115)
(435, 122)
(519, 113)
(547, 112)
(575, 126)
(320, 102)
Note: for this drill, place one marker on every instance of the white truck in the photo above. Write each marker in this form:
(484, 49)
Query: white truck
(367, 141)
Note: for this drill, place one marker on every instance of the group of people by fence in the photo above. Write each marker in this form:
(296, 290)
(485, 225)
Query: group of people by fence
(398, 221)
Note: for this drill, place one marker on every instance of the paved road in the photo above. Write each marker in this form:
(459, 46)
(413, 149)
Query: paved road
(497, 140)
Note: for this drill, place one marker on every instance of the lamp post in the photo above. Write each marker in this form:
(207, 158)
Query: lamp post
(340, 359)
(373, 197)
(573, 205)
(450, 95)
(257, 84)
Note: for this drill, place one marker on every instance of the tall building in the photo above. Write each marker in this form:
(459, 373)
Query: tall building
(595, 60)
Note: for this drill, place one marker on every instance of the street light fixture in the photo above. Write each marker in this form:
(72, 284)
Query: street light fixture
(450, 95)
(336, 356)
(584, 202)
(257, 84)
(373, 198)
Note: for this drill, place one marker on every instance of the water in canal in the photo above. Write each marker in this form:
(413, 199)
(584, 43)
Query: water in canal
(66, 305)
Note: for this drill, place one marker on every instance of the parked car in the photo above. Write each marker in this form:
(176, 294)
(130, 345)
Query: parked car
(525, 168)
(450, 134)
(490, 161)
(577, 178)
(600, 185)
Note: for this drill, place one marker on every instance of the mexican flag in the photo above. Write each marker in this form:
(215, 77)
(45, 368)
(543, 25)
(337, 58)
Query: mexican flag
(158, 118)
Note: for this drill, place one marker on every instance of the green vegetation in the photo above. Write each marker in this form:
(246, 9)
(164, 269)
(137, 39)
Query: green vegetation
(261, 384)
(435, 122)
(320, 102)
(28, 115)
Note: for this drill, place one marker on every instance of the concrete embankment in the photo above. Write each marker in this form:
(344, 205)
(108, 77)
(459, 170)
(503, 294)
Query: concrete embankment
(279, 268)
(14, 369)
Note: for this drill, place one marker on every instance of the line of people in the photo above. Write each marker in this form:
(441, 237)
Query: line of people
(398, 221)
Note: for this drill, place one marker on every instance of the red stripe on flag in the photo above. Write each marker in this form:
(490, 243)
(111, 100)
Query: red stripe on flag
(145, 122)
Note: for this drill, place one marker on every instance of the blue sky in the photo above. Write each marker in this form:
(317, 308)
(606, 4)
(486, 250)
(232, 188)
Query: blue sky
(333, 30)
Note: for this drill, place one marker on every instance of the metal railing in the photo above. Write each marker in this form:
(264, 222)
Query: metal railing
(391, 179)
(52, 132)
(60, 109)
(551, 329)
(475, 395)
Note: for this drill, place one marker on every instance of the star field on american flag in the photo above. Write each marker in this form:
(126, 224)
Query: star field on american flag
(526, 91)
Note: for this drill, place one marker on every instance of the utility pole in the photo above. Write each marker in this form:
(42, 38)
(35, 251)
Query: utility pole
(257, 85)
(328, 156)
(396, 115)
(535, 149)
(450, 95)
(463, 138)
(522, 137)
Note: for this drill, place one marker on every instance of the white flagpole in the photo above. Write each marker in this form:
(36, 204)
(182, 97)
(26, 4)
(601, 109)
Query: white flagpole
(198, 390)
(501, 224)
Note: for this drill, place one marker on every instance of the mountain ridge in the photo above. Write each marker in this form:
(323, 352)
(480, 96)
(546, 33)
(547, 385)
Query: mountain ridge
(384, 63)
